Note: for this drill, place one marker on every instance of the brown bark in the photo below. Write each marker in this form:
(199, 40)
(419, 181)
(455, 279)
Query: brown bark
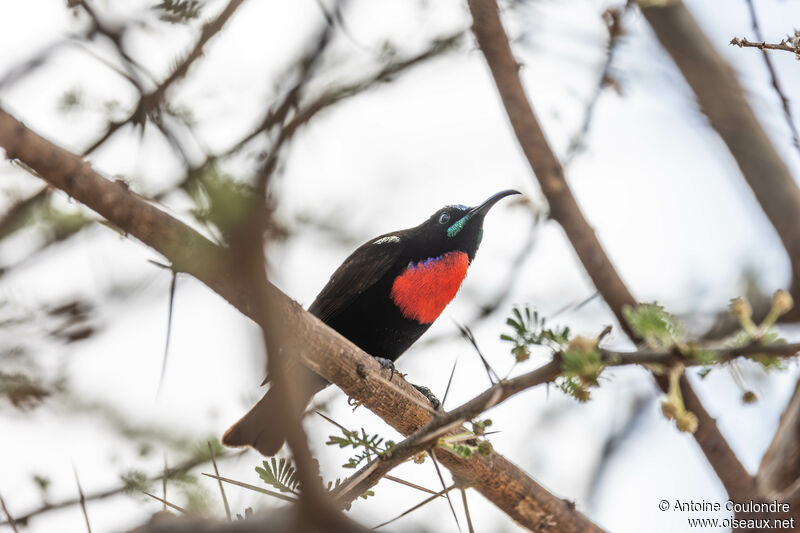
(722, 99)
(494, 44)
(779, 474)
(320, 348)
(564, 209)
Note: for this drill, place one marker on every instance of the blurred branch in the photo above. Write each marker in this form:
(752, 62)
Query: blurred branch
(303, 116)
(151, 101)
(115, 36)
(613, 19)
(18, 214)
(316, 345)
(126, 486)
(426, 436)
(493, 42)
(564, 209)
(778, 475)
(336, 94)
(787, 110)
(722, 100)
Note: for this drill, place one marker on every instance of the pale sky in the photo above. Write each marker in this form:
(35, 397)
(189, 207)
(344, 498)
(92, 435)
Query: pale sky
(658, 186)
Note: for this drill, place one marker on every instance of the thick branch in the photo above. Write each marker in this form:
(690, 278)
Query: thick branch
(494, 44)
(563, 208)
(779, 473)
(426, 436)
(722, 100)
(150, 101)
(320, 348)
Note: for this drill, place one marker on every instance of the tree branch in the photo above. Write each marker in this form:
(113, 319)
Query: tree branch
(722, 100)
(493, 42)
(314, 343)
(149, 102)
(426, 436)
(763, 45)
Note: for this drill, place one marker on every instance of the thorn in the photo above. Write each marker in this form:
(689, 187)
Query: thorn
(172, 286)
(221, 489)
(82, 499)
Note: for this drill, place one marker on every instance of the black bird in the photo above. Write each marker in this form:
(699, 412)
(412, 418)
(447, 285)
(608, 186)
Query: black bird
(382, 298)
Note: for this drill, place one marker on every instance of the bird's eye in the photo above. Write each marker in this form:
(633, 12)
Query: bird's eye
(444, 218)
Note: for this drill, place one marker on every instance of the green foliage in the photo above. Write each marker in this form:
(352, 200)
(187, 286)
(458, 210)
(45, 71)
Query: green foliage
(479, 426)
(371, 446)
(181, 113)
(280, 474)
(135, 481)
(672, 405)
(586, 365)
(581, 365)
(572, 387)
(465, 445)
(71, 101)
(700, 355)
(220, 200)
(43, 484)
(58, 224)
(178, 11)
(765, 336)
(465, 451)
(197, 498)
(659, 329)
(528, 329)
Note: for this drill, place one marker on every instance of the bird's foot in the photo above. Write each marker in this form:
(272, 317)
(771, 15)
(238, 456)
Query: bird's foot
(387, 364)
(429, 395)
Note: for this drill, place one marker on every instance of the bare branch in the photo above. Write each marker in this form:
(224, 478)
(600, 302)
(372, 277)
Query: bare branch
(787, 109)
(150, 102)
(763, 45)
(318, 347)
(722, 99)
(495, 46)
(101, 495)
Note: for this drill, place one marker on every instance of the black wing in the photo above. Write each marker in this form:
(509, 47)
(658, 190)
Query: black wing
(365, 267)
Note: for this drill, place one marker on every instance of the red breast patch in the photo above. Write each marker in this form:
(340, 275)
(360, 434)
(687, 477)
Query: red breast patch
(424, 289)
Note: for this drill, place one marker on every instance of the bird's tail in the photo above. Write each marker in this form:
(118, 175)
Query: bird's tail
(259, 428)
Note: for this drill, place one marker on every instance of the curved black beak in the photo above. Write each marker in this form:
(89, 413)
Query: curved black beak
(485, 206)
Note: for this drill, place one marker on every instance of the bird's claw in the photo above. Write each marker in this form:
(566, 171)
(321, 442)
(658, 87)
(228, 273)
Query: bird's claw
(429, 395)
(387, 364)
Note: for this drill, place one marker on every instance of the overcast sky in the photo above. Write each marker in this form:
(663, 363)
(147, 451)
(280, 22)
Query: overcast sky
(656, 183)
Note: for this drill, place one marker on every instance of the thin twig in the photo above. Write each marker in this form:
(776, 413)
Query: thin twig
(252, 487)
(449, 381)
(166, 503)
(744, 43)
(466, 510)
(409, 484)
(787, 110)
(10, 520)
(420, 504)
(164, 481)
(221, 488)
(150, 102)
(444, 487)
(82, 499)
(613, 19)
(467, 334)
(49, 507)
(171, 306)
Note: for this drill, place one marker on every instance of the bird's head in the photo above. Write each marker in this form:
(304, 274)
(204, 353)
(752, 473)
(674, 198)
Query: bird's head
(458, 227)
